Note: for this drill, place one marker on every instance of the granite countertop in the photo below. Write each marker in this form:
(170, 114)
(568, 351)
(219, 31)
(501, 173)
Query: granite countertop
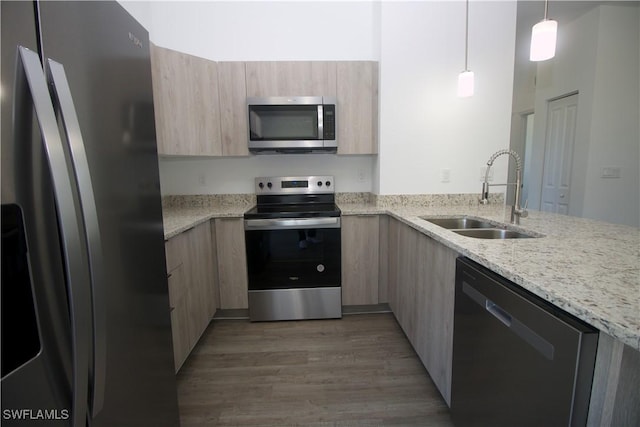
(588, 268)
(178, 219)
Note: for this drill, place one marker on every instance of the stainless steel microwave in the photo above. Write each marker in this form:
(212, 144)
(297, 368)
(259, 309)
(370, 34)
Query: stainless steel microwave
(292, 124)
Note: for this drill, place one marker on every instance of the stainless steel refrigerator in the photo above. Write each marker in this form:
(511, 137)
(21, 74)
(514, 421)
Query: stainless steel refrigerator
(86, 333)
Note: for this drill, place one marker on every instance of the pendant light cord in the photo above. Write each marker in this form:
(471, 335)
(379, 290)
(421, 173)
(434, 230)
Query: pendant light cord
(546, 7)
(466, 40)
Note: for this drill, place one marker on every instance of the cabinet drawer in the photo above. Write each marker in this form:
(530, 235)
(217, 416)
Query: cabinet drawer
(175, 250)
(176, 285)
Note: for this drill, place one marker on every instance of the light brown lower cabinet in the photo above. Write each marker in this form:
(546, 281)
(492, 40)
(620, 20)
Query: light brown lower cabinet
(232, 263)
(192, 287)
(421, 291)
(360, 259)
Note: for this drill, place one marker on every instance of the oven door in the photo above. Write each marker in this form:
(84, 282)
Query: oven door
(293, 253)
(294, 268)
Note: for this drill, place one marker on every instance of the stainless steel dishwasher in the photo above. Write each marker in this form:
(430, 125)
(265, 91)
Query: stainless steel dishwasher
(517, 359)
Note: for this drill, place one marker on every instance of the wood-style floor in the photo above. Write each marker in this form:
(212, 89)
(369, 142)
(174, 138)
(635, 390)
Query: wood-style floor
(356, 371)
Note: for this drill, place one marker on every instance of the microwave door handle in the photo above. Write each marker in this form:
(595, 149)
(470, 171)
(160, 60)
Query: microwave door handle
(29, 70)
(63, 99)
(320, 121)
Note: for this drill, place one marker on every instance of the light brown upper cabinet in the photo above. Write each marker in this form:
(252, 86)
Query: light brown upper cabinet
(187, 108)
(357, 92)
(291, 78)
(200, 105)
(232, 87)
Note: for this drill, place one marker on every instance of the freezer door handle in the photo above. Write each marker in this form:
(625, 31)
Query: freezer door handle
(63, 102)
(29, 71)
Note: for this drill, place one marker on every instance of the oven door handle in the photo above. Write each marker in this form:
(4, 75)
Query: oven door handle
(284, 223)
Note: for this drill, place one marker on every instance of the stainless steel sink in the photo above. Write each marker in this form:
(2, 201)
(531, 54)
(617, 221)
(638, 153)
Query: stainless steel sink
(493, 233)
(478, 228)
(459, 223)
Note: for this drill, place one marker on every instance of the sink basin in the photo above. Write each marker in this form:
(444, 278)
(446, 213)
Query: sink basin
(459, 223)
(493, 233)
(477, 228)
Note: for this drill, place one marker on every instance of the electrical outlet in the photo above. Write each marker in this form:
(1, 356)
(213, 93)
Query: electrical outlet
(445, 175)
(201, 179)
(611, 172)
(361, 176)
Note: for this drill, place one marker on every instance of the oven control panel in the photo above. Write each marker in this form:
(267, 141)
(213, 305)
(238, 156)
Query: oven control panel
(316, 184)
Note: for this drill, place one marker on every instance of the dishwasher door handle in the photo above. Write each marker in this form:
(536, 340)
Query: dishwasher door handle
(498, 312)
(527, 334)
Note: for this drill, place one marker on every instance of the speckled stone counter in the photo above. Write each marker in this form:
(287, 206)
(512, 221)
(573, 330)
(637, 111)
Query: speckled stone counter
(179, 213)
(590, 269)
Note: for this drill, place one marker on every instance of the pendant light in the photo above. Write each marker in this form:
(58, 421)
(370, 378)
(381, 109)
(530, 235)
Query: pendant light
(543, 38)
(465, 78)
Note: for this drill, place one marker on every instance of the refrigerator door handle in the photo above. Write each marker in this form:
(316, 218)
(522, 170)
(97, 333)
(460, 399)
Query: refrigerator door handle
(63, 100)
(29, 70)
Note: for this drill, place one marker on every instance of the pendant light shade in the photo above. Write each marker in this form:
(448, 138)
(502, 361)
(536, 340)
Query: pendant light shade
(543, 38)
(465, 84)
(466, 78)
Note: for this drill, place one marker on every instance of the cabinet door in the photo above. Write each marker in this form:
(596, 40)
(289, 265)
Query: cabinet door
(407, 277)
(185, 91)
(357, 93)
(360, 259)
(232, 263)
(201, 285)
(393, 248)
(233, 108)
(179, 317)
(435, 303)
(291, 78)
(192, 287)
(176, 250)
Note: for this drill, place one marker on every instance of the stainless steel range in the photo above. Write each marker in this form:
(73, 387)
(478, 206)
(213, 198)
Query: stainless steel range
(293, 249)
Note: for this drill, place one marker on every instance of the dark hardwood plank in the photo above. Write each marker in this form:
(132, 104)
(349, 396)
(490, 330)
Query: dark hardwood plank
(355, 371)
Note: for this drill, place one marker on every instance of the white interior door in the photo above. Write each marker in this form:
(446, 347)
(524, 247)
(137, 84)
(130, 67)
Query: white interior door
(558, 155)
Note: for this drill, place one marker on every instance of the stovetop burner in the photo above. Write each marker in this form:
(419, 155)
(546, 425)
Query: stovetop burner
(294, 197)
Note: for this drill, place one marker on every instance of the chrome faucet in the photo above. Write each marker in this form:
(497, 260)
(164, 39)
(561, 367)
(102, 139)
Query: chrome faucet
(517, 211)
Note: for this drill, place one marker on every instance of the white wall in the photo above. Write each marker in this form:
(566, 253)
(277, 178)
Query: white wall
(615, 132)
(597, 56)
(266, 30)
(236, 175)
(424, 127)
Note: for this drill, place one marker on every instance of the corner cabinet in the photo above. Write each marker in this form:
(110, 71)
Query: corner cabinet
(421, 291)
(192, 287)
(186, 104)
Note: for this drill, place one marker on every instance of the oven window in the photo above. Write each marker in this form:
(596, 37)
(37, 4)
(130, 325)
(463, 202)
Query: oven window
(293, 258)
(283, 122)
